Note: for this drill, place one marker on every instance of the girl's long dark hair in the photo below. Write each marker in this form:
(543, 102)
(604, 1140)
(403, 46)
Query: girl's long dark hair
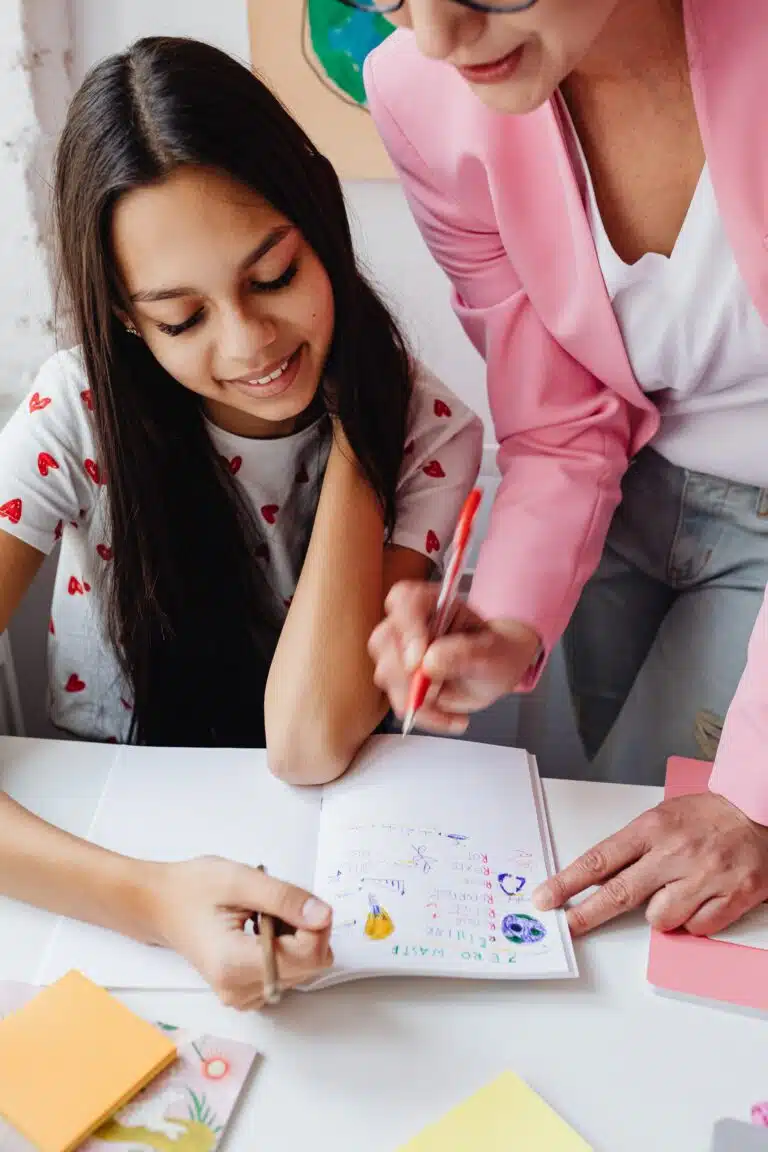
(189, 614)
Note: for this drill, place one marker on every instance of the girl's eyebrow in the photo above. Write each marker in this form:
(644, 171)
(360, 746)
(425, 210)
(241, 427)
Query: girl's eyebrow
(253, 257)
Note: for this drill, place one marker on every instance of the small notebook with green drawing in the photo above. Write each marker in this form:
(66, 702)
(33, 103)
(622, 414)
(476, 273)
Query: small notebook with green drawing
(185, 1107)
(427, 849)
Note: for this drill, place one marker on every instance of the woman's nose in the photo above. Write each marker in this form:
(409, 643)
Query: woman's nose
(440, 25)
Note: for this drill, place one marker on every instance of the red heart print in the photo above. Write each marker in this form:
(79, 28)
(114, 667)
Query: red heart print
(51, 628)
(235, 464)
(269, 512)
(434, 469)
(74, 523)
(104, 551)
(59, 530)
(111, 740)
(74, 684)
(87, 399)
(408, 448)
(128, 707)
(442, 409)
(45, 462)
(74, 587)
(432, 542)
(302, 476)
(38, 402)
(92, 469)
(11, 510)
(86, 586)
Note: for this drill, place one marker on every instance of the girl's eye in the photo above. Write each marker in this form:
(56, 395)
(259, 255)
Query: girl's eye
(177, 329)
(275, 285)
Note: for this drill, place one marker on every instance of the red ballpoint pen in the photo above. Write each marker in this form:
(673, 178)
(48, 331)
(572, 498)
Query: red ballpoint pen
(449, 590)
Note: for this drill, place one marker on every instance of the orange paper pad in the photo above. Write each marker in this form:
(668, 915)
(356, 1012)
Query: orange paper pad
(71, 1058)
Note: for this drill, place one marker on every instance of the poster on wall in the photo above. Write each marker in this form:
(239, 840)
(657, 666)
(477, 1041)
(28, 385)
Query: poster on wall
(311, 53)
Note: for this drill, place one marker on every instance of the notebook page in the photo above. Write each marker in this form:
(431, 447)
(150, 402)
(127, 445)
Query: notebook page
(429, 851)
(174, 804)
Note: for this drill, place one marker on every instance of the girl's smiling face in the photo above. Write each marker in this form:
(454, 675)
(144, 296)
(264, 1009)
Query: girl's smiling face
(228, 296)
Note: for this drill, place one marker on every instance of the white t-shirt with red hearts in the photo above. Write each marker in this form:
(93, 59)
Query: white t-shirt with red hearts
(52, 488)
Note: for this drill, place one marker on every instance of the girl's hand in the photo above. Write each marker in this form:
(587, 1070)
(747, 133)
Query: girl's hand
(471, 666)
(201, 907)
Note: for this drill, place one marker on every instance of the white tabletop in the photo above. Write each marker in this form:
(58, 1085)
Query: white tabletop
(363, 1067)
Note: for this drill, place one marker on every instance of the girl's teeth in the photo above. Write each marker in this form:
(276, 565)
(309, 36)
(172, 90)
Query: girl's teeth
(273, 375)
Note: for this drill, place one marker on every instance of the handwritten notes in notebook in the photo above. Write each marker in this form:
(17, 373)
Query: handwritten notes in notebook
(504, 1115)
(429, 852)
(427, 849)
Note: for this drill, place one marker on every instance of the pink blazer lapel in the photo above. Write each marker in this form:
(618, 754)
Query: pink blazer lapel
(545, 229)
(728, 53)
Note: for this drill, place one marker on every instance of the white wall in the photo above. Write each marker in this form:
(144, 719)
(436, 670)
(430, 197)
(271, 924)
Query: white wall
(34, 89)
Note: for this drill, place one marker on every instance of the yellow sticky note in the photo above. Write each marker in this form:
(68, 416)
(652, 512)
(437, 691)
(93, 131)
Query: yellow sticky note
(505, 1116)
(70, 1058)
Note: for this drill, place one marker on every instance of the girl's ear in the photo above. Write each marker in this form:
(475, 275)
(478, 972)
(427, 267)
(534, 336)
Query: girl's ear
(127, 322)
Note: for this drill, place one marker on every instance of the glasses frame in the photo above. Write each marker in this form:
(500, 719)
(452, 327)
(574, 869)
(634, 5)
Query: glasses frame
(476, 6)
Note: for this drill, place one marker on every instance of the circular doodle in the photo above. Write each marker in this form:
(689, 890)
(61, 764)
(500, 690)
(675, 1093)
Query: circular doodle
(522, 929)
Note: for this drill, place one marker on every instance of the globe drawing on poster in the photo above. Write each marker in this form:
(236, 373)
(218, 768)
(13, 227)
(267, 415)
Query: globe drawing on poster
(337, 40)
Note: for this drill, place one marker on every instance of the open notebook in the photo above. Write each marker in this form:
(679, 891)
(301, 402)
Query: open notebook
(427, 849)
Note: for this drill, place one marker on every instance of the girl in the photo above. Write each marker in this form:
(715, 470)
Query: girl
(594, 186)
(240, 459)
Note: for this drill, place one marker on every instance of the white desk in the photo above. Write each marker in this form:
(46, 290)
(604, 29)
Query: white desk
(364, 1067)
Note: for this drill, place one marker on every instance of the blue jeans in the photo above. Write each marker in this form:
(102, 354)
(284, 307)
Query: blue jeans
(658, 641)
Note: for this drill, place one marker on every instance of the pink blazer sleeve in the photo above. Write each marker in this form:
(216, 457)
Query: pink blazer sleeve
(564, 437)
(741, 766)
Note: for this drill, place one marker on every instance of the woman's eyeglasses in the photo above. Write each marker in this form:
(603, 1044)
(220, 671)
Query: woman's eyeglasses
(386, 6)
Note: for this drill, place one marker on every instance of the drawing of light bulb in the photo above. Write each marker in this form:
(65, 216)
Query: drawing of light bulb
(378, 924)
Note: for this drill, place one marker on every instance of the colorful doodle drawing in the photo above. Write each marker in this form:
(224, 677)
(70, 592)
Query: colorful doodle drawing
(521, 929)
(419, 860)
(312, 52)
(378, 924)
(456, 836)
(507, 881)
(336, 42)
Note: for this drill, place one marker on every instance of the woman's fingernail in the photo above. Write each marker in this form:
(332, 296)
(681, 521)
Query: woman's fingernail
(413, 654)
(459, 725)
(314, 913)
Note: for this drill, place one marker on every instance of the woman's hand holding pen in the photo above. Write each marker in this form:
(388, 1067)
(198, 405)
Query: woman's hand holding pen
(471, 666)
(200, 908)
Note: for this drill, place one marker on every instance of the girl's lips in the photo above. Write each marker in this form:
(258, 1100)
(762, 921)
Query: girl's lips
(251, 386)
(494, 72)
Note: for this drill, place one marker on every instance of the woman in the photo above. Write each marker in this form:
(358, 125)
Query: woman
(240, 458)
(594, 186)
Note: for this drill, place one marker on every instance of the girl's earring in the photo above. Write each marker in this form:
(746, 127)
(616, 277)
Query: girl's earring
(131, 329)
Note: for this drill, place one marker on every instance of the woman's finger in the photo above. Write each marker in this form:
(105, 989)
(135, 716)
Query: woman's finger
(626, 890)
(601, 862)
(716, 914)
(673, 905)
(410, 607)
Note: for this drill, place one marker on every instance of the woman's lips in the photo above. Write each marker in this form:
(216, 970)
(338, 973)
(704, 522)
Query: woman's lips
(494, 72)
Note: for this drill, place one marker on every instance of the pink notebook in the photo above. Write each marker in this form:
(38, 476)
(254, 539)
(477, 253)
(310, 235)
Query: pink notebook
(696, 965)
